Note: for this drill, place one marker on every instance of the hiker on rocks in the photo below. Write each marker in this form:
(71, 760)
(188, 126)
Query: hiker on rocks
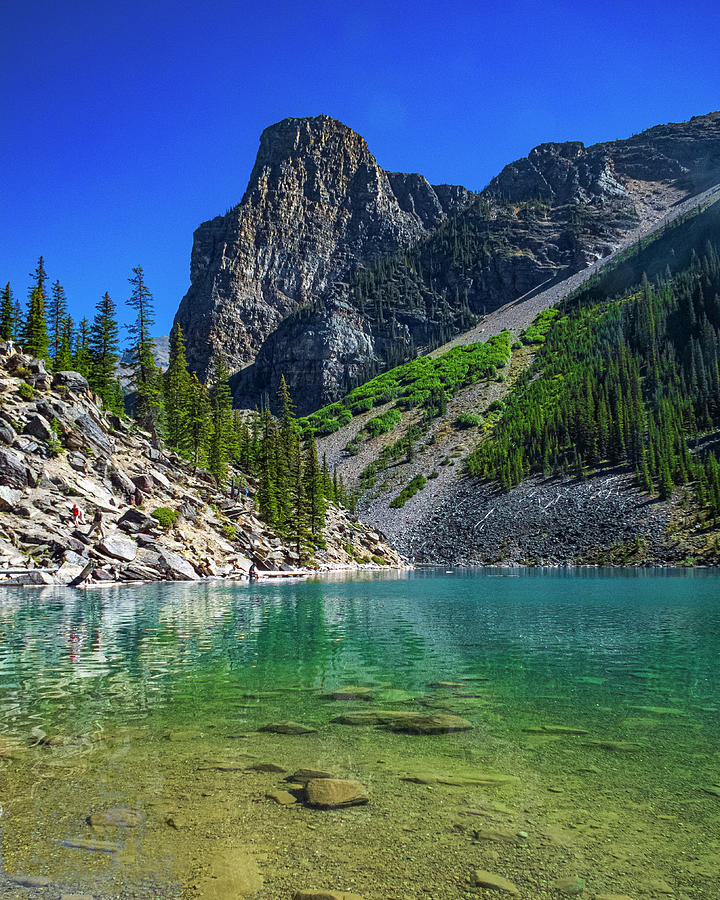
(77, 514)
(10, 347)
(98, 523)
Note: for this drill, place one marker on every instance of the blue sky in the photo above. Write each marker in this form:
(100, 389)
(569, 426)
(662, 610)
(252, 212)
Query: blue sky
(124, 127)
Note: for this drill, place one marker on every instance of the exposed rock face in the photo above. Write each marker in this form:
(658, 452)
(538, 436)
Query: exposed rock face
(273, 280)
(317, 204)
(214, 534)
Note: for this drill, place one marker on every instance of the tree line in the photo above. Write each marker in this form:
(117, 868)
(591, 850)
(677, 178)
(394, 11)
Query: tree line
(193, 418)
(634, 381)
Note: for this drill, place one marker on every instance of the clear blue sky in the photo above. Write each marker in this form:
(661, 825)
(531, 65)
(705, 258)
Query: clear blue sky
(124, 127)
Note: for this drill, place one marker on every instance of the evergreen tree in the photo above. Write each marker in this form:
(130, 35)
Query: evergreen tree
(176, 389)
(222, 436)
(104, 346)
(314, 489)
(35, 335)
(8, 320)
(57, 313)
(82, 357)
(145, 377)
(198, 421)
(63, 362)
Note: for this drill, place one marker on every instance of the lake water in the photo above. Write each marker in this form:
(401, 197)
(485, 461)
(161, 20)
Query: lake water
(594, 752)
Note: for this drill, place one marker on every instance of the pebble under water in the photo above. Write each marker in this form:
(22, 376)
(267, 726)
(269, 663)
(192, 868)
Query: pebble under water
(133, 764)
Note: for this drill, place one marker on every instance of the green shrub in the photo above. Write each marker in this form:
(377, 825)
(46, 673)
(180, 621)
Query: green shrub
(384, 423)
(537, 332)
(468, 420)
(26, 391)
(516, 345)
(229, 531)
(166, 517)
(410, 489)
(379, 560)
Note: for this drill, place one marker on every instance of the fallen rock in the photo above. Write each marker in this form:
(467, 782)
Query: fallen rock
(334, 793)
(117, 816)
(177, 565)
(143, 483)
(288, 728)
(492, 882)
(119, 547)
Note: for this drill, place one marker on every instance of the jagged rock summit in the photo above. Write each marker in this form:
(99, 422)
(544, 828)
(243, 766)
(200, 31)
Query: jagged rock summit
(317, 203)
(275, 280)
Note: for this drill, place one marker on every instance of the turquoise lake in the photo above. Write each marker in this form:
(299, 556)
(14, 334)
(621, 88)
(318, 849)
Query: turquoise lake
(591, 756)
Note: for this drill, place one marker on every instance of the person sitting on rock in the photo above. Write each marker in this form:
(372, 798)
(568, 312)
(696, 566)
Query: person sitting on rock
(77, 514)
(98, 523)
(253, 573)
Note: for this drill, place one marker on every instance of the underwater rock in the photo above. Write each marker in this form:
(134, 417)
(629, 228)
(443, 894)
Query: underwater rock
(616, 746)
(266, 767)
(86, 844)
(288, 728)
(350, 692)
(492, 882)
(461, 779)
(407, 722)
(284, 798)
(325, 895)
(335, 793)
(554, 729)
(117, 816)
(496, 836)
(570, 886)
(302, 776)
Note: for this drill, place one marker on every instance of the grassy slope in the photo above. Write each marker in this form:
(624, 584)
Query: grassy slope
(444, 446)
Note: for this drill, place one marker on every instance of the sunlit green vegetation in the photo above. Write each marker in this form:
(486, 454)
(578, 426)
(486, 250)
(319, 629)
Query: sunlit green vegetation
(634, 381)
(410, 489)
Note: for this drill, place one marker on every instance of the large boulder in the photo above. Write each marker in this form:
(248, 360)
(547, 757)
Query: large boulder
(177, 566)
(144, 483)
(39, 427)
(7, 433)
(334, 793)
(9, 498)
(73, 381)
(119, 547)
(13, 472)
(121, 482)
(87, 432)
(134, 520)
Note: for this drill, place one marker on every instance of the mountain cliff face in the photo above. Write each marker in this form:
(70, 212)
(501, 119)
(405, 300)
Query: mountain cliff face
(317, 203)
(331, 268)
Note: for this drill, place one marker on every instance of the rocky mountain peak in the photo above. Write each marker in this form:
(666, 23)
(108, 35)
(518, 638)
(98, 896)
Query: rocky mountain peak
(316, 205)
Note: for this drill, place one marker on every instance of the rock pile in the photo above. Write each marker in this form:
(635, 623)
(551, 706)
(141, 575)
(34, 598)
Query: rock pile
(161, 519)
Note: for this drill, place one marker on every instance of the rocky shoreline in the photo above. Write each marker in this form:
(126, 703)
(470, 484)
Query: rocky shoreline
(162, 520)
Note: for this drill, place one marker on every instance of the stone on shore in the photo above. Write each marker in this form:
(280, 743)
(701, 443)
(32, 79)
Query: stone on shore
(119, 547)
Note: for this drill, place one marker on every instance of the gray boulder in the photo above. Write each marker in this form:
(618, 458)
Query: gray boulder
(39, 427)
(73, 381)
(9, 498)
(178, 566)
(13, 472)
(7, 433)
(119, 547)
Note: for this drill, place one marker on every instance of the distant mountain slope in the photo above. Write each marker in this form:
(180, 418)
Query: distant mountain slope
(331, 269)
(454, 517)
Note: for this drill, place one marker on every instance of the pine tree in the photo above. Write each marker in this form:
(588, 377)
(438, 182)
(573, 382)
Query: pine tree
(35, 336)
(145, 376)
(198, 421)
(7, 314)
(222, 433)
(177, 389)
(63, 362)
(82, 357)
(314, 493)
(57, 313)
(104, 346)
